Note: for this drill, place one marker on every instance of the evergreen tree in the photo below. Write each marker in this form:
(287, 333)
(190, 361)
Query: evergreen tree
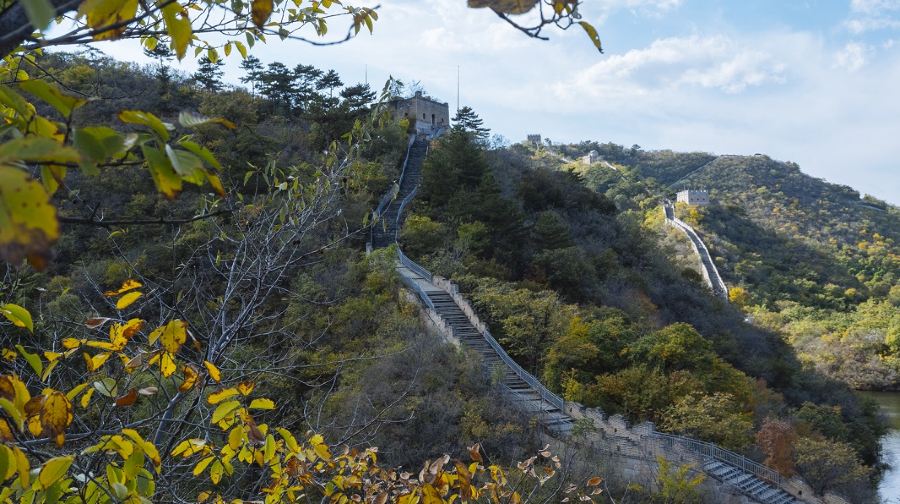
(468, 121)
(357, 98)
(253, 69)
(306, 78)
(329, 81)
(209, 74)
(277, 84)
(162, 54)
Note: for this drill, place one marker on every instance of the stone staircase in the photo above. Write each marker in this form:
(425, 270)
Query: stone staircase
(384, 232)
(748, 484)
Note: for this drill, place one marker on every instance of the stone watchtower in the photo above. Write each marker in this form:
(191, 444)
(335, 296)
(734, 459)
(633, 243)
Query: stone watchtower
(694, 197)
(427, 114)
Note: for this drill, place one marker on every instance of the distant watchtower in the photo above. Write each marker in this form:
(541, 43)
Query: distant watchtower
(694, 197)
(591, 157)
(534, 140)
(428, 114)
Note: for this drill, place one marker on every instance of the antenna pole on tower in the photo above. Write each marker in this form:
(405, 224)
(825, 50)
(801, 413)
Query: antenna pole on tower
(457, 88)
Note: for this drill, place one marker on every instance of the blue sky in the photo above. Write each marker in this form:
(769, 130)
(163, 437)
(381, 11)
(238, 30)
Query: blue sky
(815, 82)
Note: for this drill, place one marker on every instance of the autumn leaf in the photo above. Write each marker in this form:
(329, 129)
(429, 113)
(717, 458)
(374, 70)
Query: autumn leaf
(171, 336)
(213, 371)
(167, 364)
(56, 415)
(28, 224)
(220, 395)
(127, 285)
(246, 387)
(262, 403)
(126, 300)
(128, 399)
(190, 378)
(261, 10)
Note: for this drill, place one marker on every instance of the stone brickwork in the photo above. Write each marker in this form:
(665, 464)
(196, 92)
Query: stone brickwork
(425, 112)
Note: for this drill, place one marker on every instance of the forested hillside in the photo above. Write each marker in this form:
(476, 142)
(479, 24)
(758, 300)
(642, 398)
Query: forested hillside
(581, 294)
(806, 258)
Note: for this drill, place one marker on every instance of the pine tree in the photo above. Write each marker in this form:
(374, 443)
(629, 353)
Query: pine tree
(209, 74)
(277, 84)
(357, 98)
(162, 54)
(253, 69)
(306, 78)
(329, 81)
(468, 121)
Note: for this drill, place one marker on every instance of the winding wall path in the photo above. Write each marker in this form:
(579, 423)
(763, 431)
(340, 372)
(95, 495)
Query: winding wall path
(744, 479)
(707, 266)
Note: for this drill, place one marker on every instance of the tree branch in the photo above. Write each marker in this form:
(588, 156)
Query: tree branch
(91, 221)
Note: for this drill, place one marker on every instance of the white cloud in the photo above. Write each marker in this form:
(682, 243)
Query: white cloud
(873, 15)
(714, 62)
(852, 57)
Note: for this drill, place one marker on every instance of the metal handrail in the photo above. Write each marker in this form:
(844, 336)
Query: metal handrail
(527, 377)
(414, 266)
(721, 454)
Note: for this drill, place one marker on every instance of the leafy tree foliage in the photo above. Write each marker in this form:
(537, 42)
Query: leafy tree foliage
(209, 74)
(468, 121)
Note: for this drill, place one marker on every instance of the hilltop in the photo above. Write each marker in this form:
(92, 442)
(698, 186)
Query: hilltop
(807, 258)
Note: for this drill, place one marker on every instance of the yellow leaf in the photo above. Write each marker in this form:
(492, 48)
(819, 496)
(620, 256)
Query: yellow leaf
(86, 398)
(220, 395)
(592, 34)
(70, 343)
(22, 466)
(173, 335)
(126, 300)
(96, 362)
(262, 403)
(28, 224)
(246, 387)
(224, 410)
(178, 24)
(213, 371)
(202, 465)
(102, 14)
(56, 415)
(167, 364)
(54, 470)
(190, 378)
(215, 472)
(127, 285)
(261, 10)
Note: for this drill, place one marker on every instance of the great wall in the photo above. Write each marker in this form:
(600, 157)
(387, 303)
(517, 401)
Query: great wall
(634, 449)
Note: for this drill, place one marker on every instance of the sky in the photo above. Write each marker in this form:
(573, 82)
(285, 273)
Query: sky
(816, 82)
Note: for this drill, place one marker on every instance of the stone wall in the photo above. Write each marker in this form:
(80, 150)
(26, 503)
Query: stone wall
(426, 112)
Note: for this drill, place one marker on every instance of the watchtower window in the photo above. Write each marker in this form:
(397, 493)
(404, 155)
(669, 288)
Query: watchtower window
(423, 115)
(432, 119)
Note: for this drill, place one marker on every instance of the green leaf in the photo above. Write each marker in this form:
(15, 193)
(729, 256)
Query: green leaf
(167, 181)
(34, 360)
(39, 12)
(54, 470)
(28, 224)
(592, 33)
(201, 152)
(146, 119)
(106, 386)
(192, 120)
(20, 317)
(51, 94)
(241, 48)
(186, 165)
(97, 144)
